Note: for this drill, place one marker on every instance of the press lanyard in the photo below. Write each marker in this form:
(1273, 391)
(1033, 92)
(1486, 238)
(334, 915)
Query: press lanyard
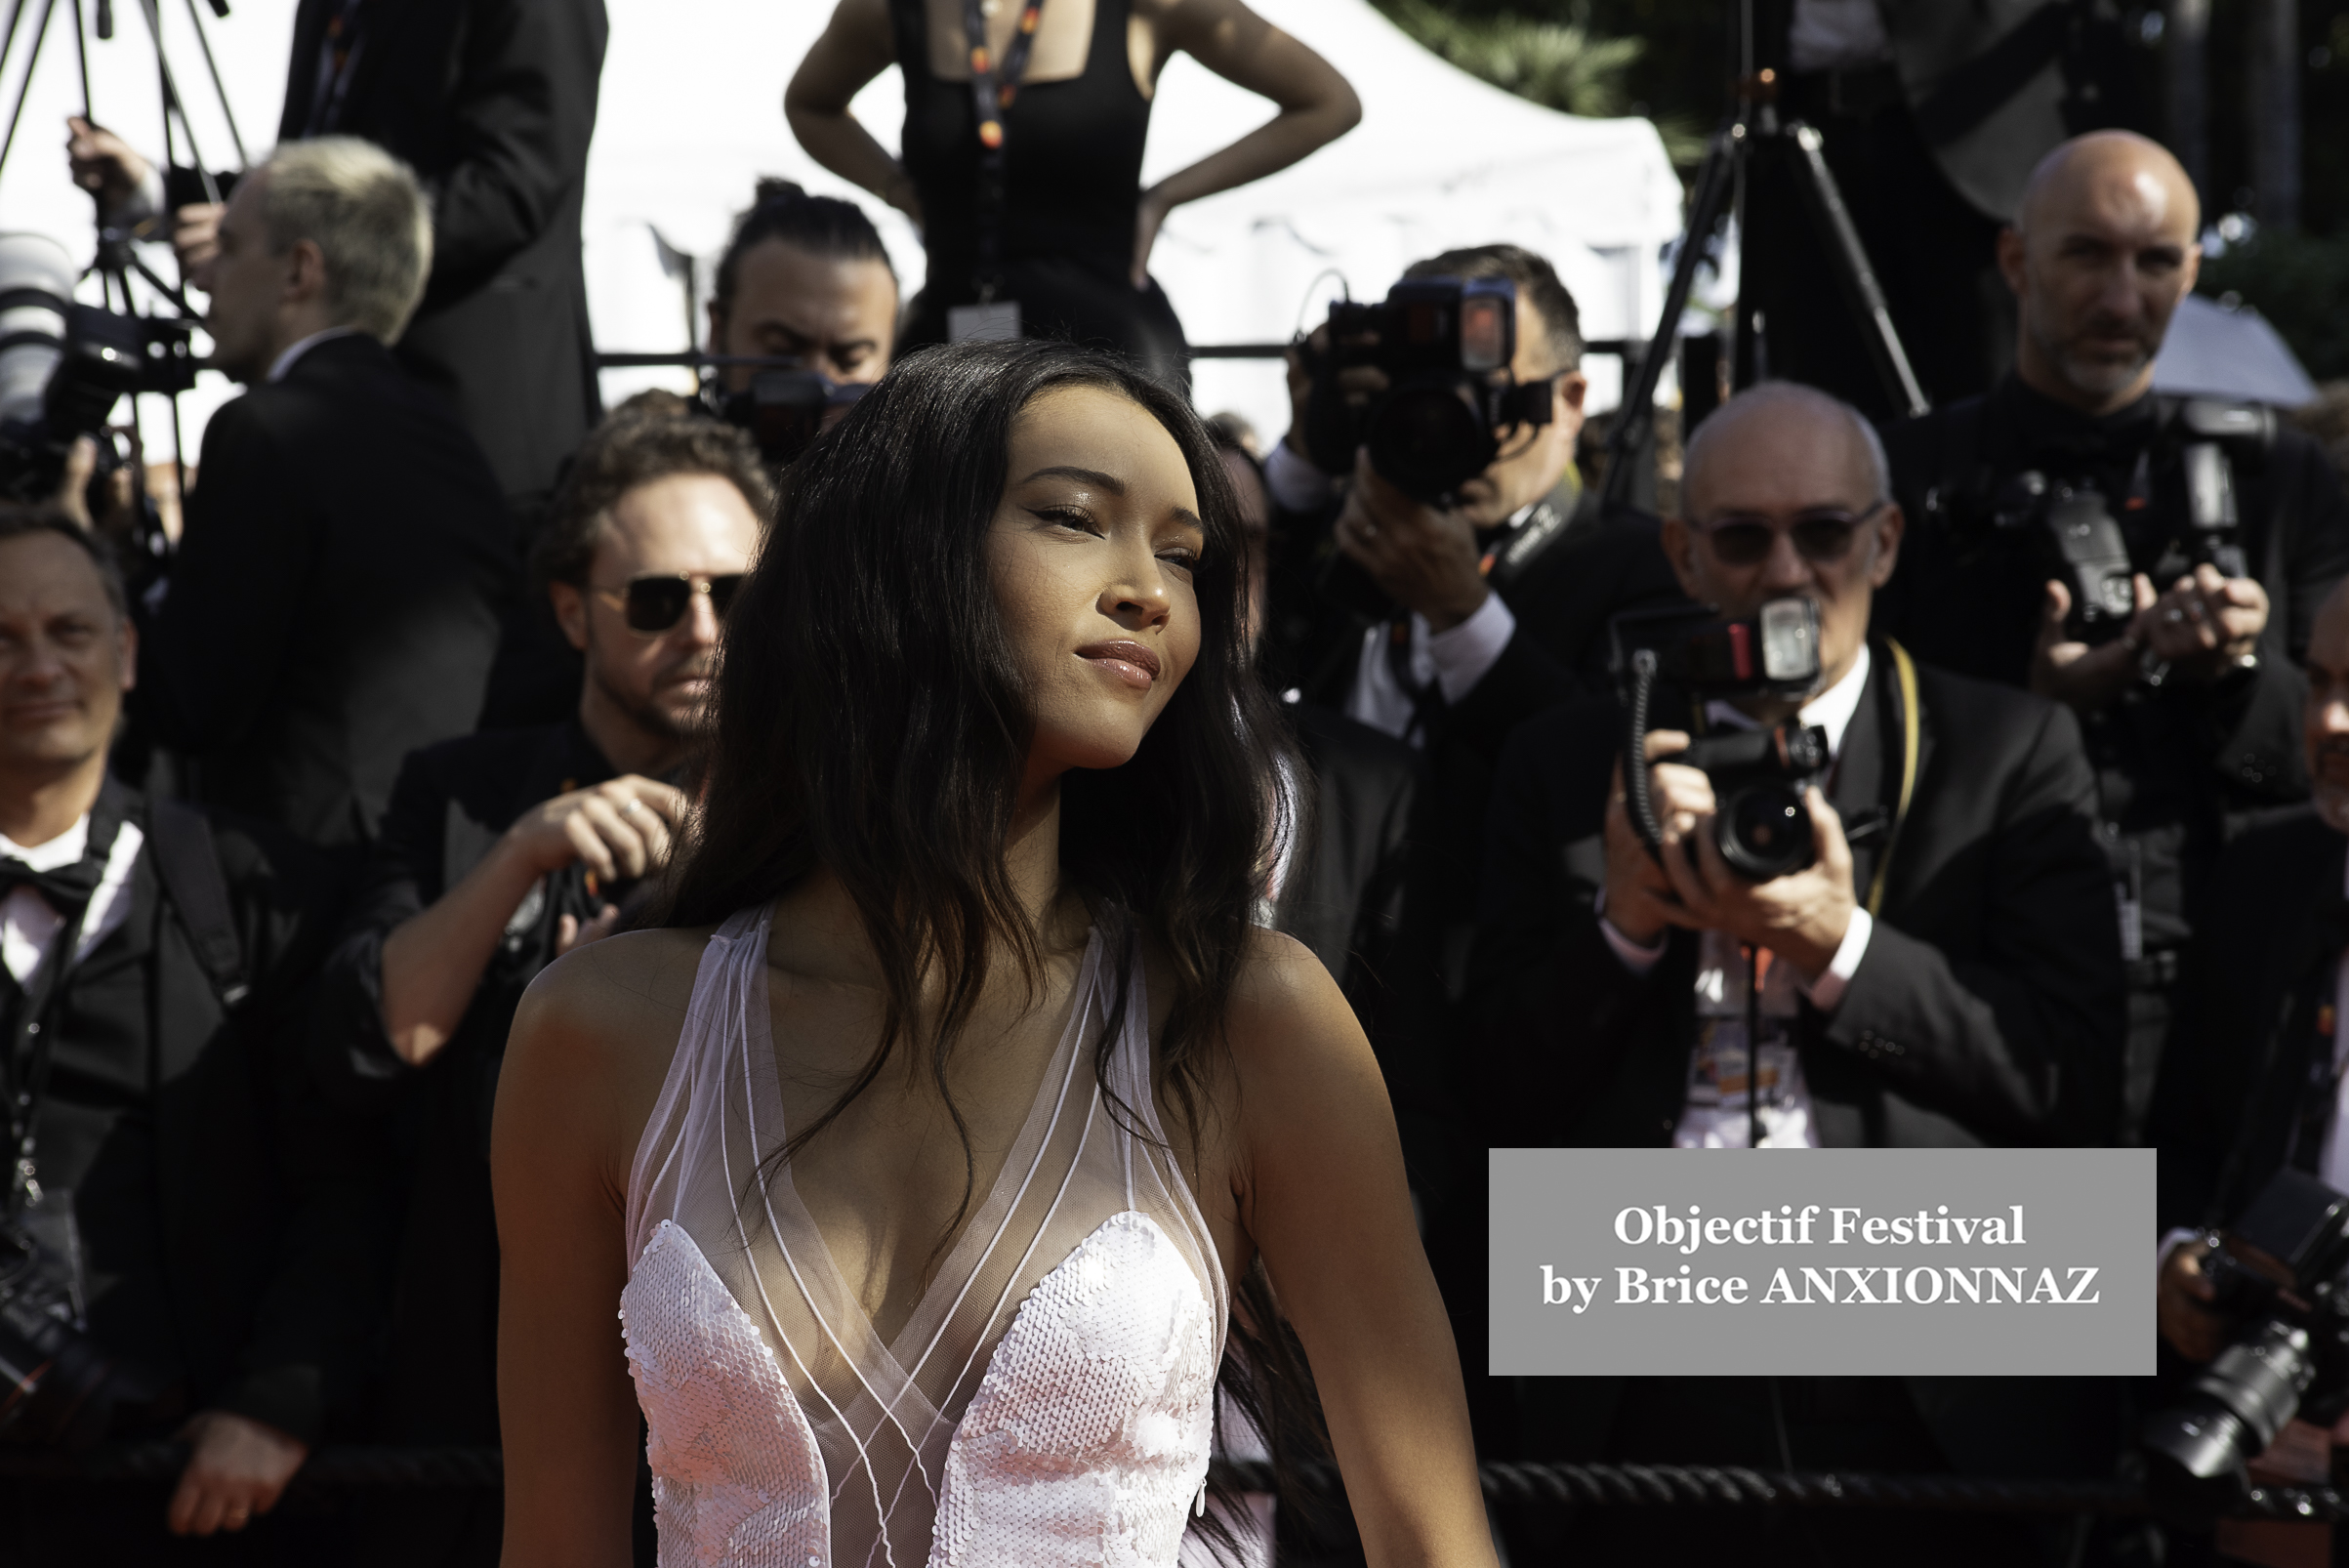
(34, 1032)
(993, 86)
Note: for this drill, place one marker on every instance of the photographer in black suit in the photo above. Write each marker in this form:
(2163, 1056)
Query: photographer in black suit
(1499, 604)
(2185, 669)
(334, 602)
(189, 1199)
(501, 851)
(492, 103)
(1952, 980)
(2252, 1078)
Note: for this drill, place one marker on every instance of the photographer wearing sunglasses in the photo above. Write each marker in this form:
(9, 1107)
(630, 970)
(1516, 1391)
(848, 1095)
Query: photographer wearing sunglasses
(505, 850)
(1939, 968)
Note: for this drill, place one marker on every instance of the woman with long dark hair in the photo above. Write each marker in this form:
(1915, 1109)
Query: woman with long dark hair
(912, 1168)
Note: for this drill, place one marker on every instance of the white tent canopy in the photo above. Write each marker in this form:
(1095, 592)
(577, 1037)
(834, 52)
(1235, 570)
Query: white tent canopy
(691, 115)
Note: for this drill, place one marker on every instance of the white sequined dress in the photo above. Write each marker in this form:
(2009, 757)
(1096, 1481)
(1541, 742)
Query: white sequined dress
(1050, 1401)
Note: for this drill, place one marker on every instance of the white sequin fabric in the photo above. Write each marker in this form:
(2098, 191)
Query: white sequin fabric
(735, 1473)
(1049, 1403)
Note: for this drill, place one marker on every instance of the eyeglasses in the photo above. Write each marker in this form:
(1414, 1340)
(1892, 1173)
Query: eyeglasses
(653, 602)
(1821, 536)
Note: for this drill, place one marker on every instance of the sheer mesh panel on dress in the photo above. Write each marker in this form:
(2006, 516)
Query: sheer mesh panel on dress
(885, 1415)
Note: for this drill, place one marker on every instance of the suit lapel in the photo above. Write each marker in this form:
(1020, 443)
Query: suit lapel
(1858, 782)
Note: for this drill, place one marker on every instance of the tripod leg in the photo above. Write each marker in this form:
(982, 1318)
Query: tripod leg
(196, 18)
(32, 60)
(1637, 412)
(1825, 199)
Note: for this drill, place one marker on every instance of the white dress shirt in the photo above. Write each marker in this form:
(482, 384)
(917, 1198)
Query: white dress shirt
(294, 352)
(27, 923)
(1717, 1117)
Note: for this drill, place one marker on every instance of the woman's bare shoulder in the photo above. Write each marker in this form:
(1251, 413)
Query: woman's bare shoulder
(612, 1003)
(1283, 995)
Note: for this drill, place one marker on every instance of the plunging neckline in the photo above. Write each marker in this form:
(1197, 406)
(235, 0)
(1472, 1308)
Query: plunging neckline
(1086, 1282)
(983, 1226)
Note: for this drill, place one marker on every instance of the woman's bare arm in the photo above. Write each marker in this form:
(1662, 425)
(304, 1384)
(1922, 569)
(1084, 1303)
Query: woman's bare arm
(590, 1045)
(1316, 105)
(855, 47)
(1322, 1194)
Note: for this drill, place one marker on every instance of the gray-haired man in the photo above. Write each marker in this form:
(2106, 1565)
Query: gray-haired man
(334, 602)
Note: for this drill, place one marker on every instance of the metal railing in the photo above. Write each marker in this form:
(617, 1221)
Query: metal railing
(1560, 1486)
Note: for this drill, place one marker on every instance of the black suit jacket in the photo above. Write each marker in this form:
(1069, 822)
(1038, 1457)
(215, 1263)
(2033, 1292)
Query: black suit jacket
(452, 803)
(258, 1226)
(334, 602)
(1344, 894)
(2226, 1108)
(1987, 1009)
(492, 103)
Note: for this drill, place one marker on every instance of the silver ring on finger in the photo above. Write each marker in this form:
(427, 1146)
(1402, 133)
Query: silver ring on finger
(2173, 615)
(633, 807)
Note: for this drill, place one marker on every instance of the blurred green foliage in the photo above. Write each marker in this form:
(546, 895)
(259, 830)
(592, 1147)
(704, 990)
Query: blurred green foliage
(2300, 282)
(1552, 56)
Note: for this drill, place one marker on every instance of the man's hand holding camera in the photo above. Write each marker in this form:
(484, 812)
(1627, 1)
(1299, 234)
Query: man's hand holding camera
(2203, 625)
(2184, 1305)
(1426, 560)
(619, 830)
(1801, 917)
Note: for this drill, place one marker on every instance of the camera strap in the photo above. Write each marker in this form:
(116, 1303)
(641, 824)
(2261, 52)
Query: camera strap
(1903, 688)
(993, 86)
(32, 1046)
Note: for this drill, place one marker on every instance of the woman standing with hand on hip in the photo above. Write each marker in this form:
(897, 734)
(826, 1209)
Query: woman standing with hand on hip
(1023, 151)
(924, 1150)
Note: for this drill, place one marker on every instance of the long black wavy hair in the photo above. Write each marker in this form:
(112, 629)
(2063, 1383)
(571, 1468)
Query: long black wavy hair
(871, 718)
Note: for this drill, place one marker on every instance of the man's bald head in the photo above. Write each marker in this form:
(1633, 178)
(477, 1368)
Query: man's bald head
(2099, 256)
(2118, 169)
(1788, 436)
(1783, 495)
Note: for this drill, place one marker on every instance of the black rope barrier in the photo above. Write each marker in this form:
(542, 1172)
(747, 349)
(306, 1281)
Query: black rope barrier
(1556, 1486)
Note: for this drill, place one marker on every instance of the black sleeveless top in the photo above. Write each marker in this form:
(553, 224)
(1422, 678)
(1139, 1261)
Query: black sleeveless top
(1072, 178)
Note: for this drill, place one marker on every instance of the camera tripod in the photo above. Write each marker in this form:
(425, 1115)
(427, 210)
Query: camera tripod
(1753, 130)
(171, 364)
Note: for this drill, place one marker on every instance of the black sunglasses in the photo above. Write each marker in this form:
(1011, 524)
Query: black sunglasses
(1820, 536)
(654, 602)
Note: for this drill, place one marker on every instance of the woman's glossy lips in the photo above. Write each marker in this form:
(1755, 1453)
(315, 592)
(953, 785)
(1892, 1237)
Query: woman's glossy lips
(1129, 662)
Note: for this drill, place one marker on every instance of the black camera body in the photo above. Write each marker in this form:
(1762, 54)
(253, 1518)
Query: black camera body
(2188, 473)
(1759, 776)
(96, 357)
(785, 410)
(1444, 345)
(57, 1388)
(2281, 1275)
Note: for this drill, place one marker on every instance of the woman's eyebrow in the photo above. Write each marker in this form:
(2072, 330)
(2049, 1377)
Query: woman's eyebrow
(1092, 477)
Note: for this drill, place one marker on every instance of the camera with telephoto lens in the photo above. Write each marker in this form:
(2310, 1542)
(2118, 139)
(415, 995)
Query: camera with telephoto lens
(1758, 775)
(785, 410)
(2187, 474)
(2280, 1276)
(63, 366)
(1444, 345)
(57, 1388)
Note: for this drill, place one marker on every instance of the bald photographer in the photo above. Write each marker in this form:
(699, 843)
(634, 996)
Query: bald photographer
(1877, 916)
(2153, 562)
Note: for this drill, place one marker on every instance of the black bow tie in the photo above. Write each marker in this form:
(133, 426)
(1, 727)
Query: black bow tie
(68, 889)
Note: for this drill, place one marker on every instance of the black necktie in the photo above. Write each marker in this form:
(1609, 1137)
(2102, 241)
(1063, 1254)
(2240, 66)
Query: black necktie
(66, 888)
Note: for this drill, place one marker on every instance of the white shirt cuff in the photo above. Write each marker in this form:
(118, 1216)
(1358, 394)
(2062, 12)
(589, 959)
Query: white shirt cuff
(1294, 482)
(1465, 652)
(1634, 957)
(2172, 1241)
(1828, 990)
